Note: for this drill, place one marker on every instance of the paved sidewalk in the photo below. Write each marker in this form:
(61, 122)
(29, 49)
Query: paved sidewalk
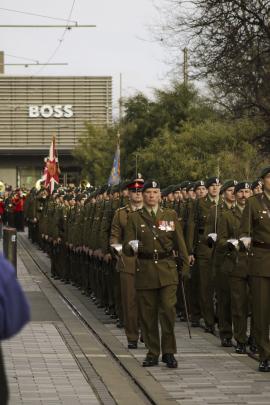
(207, 374)
(41, 370)
(40, 367)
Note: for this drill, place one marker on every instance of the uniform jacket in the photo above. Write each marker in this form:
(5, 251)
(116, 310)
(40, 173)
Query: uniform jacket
(196, 225)
(119, 223)
(231, 261)
(151, 273)
(256, 223)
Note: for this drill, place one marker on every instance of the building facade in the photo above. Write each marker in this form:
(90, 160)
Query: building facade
(34, 108)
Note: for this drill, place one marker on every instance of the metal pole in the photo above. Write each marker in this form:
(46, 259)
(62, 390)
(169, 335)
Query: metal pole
(10, 245)
(120, 100)
(185, 66)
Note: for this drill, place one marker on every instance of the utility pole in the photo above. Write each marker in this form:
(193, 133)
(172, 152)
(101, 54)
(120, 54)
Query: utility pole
(2, 64)
(120, 100)
(185, 66)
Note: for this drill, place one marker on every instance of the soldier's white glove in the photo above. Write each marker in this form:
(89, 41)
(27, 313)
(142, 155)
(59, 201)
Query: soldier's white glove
(117, 247)
(135, 245)
(211, 239)
(213, 236)
(233, 244)
(246, 241)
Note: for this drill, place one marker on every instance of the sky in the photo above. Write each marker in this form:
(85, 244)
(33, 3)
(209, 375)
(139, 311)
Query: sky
(121, 42)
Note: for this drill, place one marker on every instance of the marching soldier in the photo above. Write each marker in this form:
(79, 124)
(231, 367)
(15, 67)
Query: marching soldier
(222, 281)
(235, 265)
(255, 236)
(198, 248)
(152, 235)
(127, 265)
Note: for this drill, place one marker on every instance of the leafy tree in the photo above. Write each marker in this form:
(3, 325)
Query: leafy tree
(145, 120)
(95, 152)
(206, 149)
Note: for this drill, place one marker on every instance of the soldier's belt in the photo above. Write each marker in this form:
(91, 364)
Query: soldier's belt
(261, 245)
(155, 255)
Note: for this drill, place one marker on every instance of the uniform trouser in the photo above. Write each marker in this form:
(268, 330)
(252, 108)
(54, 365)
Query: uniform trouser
(206, 290)
(152, 303)
(130, 306)
(3, 382)
(260, 290)
(195, 309)
(117, 294)
(240, 299)
(224, 304)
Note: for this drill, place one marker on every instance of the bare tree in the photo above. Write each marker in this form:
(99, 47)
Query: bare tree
(229, 46)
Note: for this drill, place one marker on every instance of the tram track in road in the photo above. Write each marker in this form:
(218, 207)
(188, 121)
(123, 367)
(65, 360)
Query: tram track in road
(144, 389)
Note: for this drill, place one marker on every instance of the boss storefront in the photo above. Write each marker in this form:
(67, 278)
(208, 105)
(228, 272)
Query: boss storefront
(32, 109)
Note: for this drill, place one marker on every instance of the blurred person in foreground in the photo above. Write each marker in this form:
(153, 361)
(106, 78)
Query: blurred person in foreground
(14, 314)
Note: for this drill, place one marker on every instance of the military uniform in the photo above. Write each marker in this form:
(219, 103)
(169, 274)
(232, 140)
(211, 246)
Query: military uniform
(156, 276)
(235, 265)
(126, 266)
(255, 223)
(196, 245)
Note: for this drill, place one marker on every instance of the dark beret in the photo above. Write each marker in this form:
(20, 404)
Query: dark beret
(211, 181)
(198, 183)
(184, 184)
(227, 184)
(265, 171)
(190, 186)
(243, 185)
(255, 184)
(151, 184)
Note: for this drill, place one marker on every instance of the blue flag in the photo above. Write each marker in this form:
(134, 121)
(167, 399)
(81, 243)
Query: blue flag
(115, 173)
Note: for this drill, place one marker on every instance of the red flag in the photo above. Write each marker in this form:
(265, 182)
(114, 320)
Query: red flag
(51, 169)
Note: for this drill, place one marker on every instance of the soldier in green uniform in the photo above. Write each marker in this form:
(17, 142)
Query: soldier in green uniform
(234, 264)
(255, 236)
(153, 234)
(256, 187)
(195, 309)
(221, 275)
(198, 248)
(126, 265)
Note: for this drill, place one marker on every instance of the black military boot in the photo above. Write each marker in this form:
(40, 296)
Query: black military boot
(170, 360)
(226, 342)
(264, 366)
(240, 348)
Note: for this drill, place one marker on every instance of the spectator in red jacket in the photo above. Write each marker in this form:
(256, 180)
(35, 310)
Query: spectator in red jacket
(18, 209)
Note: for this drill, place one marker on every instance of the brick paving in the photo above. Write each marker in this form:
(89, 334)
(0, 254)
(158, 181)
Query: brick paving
(41, 370)
(207, 374)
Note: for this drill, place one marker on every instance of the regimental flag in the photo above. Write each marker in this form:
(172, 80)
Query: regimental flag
(115, 172)
(51, 169)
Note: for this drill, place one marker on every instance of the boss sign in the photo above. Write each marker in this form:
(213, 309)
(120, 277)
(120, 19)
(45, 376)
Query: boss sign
(50, 111)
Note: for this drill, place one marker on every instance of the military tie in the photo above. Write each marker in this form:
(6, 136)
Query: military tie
(153, 215)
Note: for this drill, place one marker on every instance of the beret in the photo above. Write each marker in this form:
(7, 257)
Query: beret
(242, 185)
(227, 184)
(151, 184)
(265, 171)
(255, 184)
(198, 183)
(212, 180)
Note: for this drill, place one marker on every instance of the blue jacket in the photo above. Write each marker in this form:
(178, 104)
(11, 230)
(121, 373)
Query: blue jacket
(14, 308)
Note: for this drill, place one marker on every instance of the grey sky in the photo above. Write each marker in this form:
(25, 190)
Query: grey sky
(120, 43)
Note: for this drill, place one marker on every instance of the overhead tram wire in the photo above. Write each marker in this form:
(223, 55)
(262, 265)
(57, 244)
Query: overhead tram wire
(61, 40)
(37, 15)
